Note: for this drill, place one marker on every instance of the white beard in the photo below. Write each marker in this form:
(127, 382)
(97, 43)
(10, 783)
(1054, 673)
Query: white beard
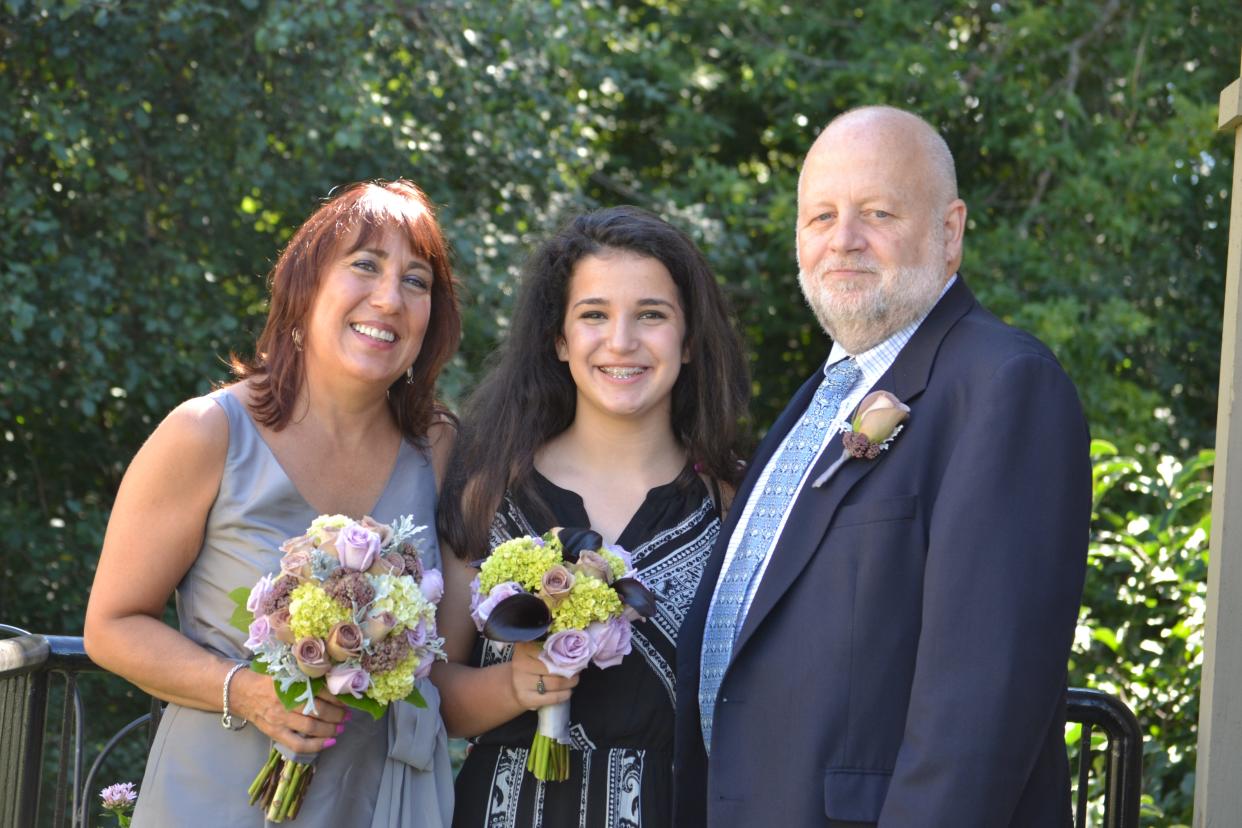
(864, 311)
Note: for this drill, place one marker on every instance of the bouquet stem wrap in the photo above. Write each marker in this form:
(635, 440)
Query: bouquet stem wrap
(281, 783)
(549, 752)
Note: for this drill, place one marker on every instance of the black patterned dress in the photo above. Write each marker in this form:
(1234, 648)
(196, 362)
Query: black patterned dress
(621, 719)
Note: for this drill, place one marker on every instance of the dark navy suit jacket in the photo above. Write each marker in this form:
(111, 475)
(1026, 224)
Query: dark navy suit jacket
(904, 659)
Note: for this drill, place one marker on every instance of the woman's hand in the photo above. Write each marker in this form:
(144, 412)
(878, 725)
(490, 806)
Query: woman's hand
(253, 697)
(527, 671)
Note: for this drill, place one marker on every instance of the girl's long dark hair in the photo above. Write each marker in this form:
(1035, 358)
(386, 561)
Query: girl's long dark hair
(528, 396)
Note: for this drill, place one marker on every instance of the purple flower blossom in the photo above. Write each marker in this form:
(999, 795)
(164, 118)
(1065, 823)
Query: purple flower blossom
(432, 585)
(345, 679)
(499, 593)
(259, 593)
(260, 633)
(611, 641)
(119, 797)
(567, 653)
(357, 547)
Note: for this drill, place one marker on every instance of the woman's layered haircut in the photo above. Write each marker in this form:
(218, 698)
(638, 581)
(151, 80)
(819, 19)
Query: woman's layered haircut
(356, 215)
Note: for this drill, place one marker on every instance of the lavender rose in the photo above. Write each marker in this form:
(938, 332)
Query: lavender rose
(611, 641)
(432, 585)
(417, 635)
(311, 657)
(557, 582)
(379, 625)
(567, 653)
(593, 564)
(424, 667)
(344, 641)
(260, 633)
(500, 592)
(343, 679)
(259, 593)
(357, 547)
(279, 621)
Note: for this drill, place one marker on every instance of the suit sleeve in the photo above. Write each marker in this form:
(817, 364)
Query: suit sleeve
(1006, 557)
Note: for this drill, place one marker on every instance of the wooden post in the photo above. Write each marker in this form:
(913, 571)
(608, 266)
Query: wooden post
(1218, 774)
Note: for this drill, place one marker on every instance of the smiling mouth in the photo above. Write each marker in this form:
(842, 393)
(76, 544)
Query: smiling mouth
(375, 333)
(622, 373)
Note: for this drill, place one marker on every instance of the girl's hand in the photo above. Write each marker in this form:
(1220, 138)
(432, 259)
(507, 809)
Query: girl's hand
(527, 671)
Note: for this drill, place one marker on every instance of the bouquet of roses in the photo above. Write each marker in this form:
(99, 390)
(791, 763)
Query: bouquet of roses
(576, 594)
(352, 609)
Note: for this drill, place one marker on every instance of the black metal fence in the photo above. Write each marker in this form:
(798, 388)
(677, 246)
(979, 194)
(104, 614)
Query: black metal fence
(36, 671)
(57, 793)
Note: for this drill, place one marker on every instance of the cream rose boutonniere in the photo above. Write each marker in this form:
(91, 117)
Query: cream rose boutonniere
(878, 421)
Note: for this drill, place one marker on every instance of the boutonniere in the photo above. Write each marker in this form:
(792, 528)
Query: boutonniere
(876, 424)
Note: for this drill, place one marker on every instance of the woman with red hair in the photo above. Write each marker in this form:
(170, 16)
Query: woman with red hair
(335, 413)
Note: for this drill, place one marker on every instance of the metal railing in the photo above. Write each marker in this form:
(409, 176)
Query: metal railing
(31, 666)
(1123, 758)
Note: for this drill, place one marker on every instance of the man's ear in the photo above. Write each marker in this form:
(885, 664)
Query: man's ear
(954, 230)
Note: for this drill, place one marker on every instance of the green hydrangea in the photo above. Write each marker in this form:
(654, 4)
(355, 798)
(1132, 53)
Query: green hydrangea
(313, 612)
(401, 596)
(589, 600)
(395, 684)
(521, 560)
(614, 561)
(315, 532)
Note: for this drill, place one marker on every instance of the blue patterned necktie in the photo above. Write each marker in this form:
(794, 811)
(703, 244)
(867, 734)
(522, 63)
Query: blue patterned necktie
(727, 611)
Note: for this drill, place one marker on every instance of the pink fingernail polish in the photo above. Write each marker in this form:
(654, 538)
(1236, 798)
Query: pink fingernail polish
(349, 715)
(329, 742)
(340, 729)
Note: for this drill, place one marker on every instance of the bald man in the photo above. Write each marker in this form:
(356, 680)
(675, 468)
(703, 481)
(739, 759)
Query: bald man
(882, 640)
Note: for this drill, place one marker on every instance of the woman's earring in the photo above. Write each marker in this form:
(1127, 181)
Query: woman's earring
(409, 375)
(296, 335)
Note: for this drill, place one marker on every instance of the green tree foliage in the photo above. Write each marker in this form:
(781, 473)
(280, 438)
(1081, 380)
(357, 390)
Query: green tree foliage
(1140, 634)
(154, 156)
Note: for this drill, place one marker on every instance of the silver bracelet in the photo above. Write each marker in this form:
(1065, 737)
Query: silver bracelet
(229, 721)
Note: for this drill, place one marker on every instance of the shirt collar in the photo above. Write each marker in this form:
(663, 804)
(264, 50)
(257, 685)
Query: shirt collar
(877, 359)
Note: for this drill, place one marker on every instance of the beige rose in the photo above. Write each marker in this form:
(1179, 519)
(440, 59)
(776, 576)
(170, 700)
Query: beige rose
(390, 563)
(594, 564)
(557, 582)
(382, 529)
(344, 641)
(327, 541)
(278, 621)
(297, 563)
(311, 657)
(878, 416)
(379, 625)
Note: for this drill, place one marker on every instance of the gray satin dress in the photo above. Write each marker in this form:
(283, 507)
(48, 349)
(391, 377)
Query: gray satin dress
(393, 771)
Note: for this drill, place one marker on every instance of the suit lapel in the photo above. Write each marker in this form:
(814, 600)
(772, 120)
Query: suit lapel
(813, 509)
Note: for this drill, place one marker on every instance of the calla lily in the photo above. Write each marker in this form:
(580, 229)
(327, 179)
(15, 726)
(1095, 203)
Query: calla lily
(878, 416)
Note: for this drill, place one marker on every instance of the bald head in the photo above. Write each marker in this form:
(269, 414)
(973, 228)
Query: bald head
(899, 135)
(879, 223)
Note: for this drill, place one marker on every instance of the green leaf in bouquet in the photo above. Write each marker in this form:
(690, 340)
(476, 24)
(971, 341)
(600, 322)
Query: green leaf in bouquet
(416, 698)
(365, 704)
(241, 616)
